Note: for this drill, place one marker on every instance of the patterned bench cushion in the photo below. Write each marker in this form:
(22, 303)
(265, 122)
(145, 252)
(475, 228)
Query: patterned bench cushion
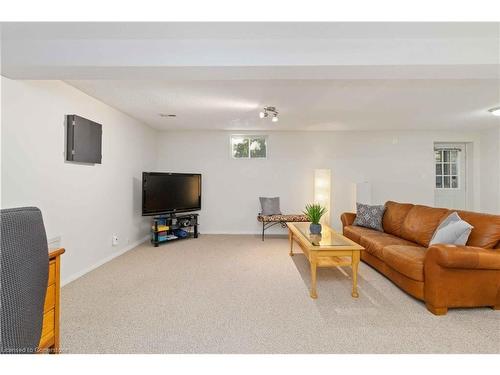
(282, 218)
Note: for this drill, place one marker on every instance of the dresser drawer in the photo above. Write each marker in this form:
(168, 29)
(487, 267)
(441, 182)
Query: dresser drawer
(50, 298)
(48, 323)
(52, 272)
(49, 338)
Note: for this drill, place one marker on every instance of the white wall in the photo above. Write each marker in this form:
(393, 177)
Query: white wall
(399, 166)
(490, 170)
(84, 204)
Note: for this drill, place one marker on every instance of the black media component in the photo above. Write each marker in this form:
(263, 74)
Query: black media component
(174, 223)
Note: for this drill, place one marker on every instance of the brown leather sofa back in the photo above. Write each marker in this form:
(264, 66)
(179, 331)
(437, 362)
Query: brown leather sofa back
(421, 222)
(486, 232)
(394, 216)
(418, 223)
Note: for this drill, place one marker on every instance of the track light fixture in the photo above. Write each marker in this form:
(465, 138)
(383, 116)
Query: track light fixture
(269, 112)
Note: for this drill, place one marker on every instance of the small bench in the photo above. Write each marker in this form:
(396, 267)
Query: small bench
(270, 220)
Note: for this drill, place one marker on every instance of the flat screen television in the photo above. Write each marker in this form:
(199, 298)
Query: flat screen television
(166, 193)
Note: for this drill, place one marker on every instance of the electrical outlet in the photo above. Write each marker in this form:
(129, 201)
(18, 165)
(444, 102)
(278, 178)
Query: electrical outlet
(115, 240)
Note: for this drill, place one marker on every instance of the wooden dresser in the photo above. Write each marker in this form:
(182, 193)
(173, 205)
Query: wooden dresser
(49, 341)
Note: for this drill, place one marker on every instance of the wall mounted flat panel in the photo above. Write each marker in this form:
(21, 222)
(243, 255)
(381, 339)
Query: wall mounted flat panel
(84, 140)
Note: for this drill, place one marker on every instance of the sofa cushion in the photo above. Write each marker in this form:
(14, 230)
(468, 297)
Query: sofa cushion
(374, 243)
(486, 232)
(355, 233)
(407, 260)
(395, 214)
(421, 222)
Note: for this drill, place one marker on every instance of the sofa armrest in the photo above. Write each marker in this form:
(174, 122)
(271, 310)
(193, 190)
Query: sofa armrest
(463, 257)
(347, 218)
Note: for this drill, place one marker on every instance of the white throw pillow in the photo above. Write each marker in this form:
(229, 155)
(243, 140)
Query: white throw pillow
(453, 230)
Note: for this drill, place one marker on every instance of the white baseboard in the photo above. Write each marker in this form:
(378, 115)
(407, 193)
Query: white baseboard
(275, 232)
(78, 274)
(236, 232)
(258, 233)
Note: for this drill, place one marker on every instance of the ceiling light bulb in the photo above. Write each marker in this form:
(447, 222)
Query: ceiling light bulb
(274, 119)
(495, 111)
(262, 115)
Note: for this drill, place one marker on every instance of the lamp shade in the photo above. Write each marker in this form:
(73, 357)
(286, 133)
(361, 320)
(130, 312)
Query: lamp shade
(322, 191)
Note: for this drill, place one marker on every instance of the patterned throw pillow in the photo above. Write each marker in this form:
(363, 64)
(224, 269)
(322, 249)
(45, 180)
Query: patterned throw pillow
(369, 216)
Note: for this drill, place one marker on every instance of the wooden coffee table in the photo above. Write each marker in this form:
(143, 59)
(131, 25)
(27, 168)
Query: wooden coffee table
(328, 249)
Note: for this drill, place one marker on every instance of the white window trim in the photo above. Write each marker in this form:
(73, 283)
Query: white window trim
(265, 136)
(459, 177)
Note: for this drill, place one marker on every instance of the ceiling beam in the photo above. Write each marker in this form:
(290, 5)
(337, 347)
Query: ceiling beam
(329, 58)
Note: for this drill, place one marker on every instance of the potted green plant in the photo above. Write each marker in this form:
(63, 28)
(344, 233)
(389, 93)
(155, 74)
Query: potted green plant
(314, 212)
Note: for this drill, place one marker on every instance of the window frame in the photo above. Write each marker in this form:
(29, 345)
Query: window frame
(249, 136)
(442, 163)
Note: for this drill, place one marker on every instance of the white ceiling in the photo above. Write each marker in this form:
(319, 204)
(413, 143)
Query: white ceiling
(303, 104)
(320, 76)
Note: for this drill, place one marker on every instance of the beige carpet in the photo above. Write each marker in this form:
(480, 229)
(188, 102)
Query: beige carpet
(236, 294)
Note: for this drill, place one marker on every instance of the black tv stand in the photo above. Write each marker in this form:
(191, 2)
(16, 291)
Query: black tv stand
(165, 226)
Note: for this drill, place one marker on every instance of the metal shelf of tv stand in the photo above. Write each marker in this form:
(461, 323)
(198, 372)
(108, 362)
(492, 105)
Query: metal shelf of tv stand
(173, 227)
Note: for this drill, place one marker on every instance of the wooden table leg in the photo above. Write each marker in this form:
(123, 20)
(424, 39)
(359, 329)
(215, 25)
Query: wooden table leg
(313, 294)
(290, 236)
(355, 263)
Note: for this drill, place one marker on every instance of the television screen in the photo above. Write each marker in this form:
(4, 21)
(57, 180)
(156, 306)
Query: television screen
(83, 140)
(170, 192)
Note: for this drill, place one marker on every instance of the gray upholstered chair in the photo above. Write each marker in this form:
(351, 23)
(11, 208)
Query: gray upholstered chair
(24, 271)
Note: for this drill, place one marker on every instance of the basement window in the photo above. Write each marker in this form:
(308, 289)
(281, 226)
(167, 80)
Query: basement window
(249, 146)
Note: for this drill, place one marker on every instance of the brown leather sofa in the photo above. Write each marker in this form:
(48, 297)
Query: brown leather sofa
(442, 275)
